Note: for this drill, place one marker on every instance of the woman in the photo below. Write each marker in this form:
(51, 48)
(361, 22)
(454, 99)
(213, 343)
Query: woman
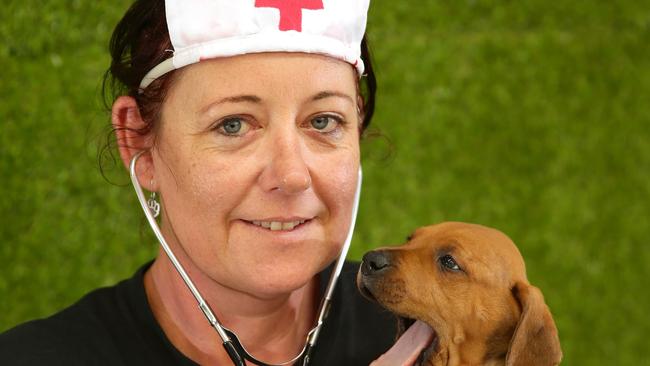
(249, 135)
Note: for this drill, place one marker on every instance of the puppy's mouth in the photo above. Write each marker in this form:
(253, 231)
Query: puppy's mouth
(403, 323)
(366, 292)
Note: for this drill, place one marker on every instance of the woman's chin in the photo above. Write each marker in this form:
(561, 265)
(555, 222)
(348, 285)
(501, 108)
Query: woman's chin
(273, 267)
(282, 277)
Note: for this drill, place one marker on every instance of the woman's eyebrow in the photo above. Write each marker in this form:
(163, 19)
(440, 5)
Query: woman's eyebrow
(245, 98)
(329, 93)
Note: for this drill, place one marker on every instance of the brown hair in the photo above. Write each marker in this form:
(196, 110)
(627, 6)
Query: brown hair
(141, 41)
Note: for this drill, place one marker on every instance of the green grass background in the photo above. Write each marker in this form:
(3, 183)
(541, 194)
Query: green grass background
(530, 116)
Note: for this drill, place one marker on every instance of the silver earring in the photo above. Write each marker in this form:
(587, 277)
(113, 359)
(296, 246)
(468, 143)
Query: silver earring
(153, 204)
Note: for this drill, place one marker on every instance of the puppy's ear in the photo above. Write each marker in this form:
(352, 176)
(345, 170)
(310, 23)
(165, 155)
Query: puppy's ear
(535, 342)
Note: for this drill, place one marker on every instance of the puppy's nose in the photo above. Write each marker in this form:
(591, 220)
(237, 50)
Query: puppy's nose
(375, 262)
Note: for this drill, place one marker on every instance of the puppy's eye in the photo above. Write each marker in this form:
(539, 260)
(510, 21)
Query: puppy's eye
(448, 262)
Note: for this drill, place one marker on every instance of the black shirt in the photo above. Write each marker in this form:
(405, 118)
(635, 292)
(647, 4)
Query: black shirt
(115, 326)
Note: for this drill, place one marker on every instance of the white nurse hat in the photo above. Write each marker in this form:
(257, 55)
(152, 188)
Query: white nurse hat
(204, 29)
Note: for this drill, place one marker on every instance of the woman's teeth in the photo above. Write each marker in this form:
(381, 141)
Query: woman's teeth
(277, 225)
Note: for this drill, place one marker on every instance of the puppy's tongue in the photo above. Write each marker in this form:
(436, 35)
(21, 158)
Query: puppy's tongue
(409, 346)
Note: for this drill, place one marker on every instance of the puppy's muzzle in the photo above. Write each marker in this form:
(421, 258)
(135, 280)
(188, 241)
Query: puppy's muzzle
(376, 263)
(375, 266)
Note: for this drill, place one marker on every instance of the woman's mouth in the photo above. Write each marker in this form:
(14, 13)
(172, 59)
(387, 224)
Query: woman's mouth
(279, 225)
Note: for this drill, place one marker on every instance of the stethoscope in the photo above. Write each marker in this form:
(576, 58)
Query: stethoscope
(236, 351)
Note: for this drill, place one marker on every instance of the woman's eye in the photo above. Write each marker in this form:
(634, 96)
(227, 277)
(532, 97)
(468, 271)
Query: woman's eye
(233, 126)
(325, 123)
(449, 262)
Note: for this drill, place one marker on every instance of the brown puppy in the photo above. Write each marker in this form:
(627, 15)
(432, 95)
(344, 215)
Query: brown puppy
(468, 283)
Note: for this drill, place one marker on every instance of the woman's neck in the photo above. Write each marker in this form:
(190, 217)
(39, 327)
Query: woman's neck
(273, 330)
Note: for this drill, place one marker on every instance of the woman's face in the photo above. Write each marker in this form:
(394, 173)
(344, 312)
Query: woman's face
(256, 160)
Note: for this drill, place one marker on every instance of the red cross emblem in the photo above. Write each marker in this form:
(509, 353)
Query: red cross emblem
(290, 11)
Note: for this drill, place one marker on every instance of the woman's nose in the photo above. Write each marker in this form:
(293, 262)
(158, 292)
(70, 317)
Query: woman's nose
(286, 170)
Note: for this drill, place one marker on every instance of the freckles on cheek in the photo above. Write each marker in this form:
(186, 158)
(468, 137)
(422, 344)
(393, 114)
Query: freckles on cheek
(339, 185)
(211, 183)
(201, 182)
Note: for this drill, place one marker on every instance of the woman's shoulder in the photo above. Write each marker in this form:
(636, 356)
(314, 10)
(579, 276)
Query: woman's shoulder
(108, 326)
(71, 336)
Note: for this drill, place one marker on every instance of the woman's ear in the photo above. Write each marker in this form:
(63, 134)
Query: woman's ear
(132, 137)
